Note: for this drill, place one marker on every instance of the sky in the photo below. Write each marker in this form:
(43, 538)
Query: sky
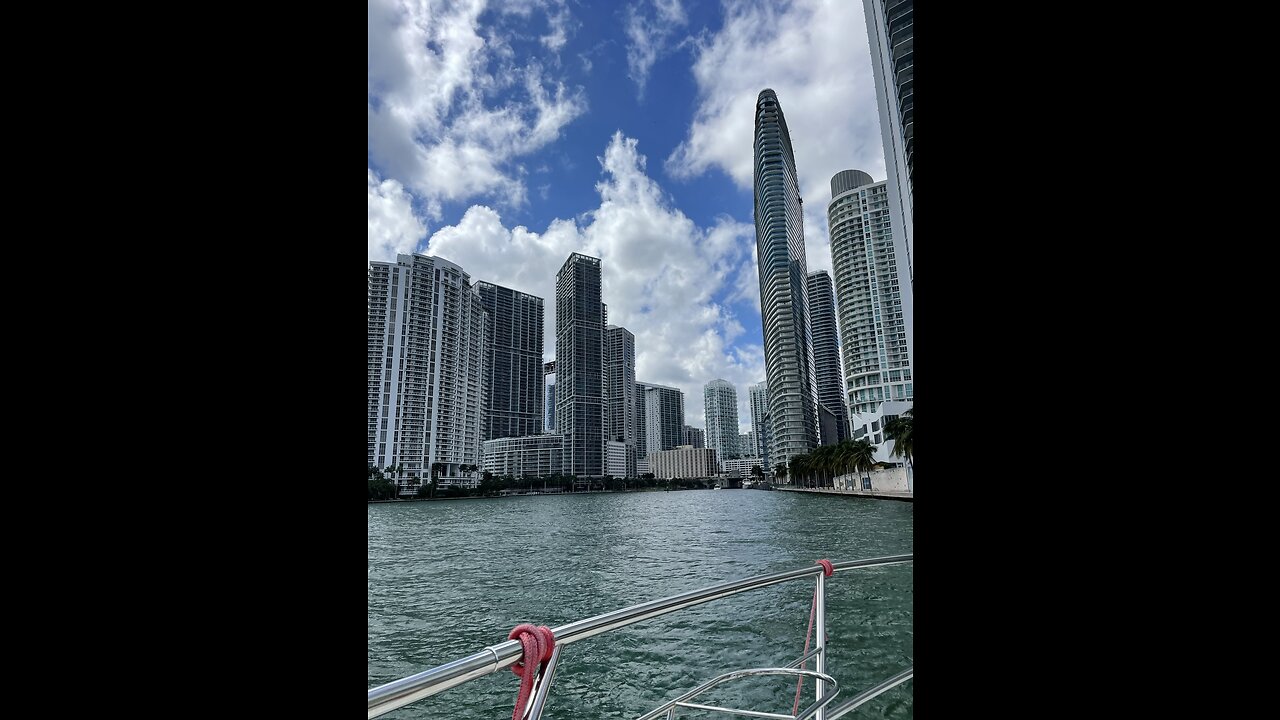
(505, 135)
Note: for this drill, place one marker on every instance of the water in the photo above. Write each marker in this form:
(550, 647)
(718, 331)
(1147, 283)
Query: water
(448, 578)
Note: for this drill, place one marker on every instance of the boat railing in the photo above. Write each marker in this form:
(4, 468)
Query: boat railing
(398, 693)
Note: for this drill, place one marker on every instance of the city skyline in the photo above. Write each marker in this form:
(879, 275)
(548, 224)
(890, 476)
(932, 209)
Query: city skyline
(503, 138)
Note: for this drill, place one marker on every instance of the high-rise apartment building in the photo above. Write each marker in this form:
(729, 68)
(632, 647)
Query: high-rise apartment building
(747, 445)
(659, 419)
(877, 366)
(826, 355)
(513, 363)
(788, 344)
(720, 406)
(620, 385)
(579, 360)
(891, 36)
(426, 366)
(759, 399)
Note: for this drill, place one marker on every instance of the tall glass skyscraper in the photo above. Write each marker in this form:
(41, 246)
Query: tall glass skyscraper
(784, 302)
(877, 367)
(513, 362)
(620, 380)
(826, 356)
(579, 366)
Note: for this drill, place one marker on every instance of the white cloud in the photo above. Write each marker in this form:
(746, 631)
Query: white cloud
(393, 228)
(814, 54)
(663, 275)
(648, 35)
(436, 123)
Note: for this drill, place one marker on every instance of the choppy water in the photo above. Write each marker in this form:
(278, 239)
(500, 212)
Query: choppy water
(448, 578)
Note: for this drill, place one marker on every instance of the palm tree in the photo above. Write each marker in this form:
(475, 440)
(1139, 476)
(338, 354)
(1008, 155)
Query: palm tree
(799, 467)
(437, 469)
(899, 429)
(863, 457)
(779, 472)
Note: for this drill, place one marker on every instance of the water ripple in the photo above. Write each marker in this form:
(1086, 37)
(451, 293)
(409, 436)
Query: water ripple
(448, 578)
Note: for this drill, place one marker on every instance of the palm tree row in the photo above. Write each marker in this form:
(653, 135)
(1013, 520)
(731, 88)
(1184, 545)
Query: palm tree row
(820, 467)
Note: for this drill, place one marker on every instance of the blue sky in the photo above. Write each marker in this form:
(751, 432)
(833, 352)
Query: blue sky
(504, 136)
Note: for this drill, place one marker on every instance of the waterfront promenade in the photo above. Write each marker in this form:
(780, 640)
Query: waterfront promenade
(882, 494)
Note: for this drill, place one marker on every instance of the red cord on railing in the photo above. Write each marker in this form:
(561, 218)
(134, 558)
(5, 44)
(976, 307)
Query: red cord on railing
(827, 570)
(536, 644)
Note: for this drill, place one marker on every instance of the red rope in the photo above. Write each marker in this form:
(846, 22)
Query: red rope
(536, 643)
(827, 570)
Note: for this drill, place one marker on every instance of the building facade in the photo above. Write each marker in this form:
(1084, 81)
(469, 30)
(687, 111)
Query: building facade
(694, 437)
(720, 406)
(528, 456)
(742, 467)
(579, 366)
(759, 399)
(826, 356)
(747, 445)
(620, 390)
(788, 344)
(426, 366)
(513, 362)
(683, 462)
(877, 365)
(620, 459)
(891, 37)
(659, 420)
(549, 378)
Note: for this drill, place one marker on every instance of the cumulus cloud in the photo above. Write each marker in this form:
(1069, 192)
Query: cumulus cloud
(450, 110)
(649, 28)
(819, 63)
(393, 228)
(664, 276)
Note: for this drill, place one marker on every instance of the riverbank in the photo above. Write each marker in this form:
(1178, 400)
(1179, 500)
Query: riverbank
(525, 494)
(903, 496)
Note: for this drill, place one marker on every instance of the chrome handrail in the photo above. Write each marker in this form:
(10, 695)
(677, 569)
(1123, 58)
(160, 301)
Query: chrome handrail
(805, 714)
(398, 693)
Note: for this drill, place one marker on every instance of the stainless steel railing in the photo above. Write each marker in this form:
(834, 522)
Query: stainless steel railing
(398, 693)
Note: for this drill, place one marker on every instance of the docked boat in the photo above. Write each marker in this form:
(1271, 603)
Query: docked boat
(534, 653)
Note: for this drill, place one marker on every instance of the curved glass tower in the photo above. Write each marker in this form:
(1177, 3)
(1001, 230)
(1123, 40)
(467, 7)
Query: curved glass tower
(784, 302)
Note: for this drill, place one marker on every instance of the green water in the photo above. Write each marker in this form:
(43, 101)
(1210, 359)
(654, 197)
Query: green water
(448, 578)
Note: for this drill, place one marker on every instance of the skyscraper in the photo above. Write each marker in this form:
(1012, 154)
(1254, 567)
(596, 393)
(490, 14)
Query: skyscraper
(620, 380)
(620, 400)
(877, 367)
(579, 360)
(891, 36)
(826, 355)
(513, 362)
(788, 348)
(659, 420)
(426, 366)
(759, 398)
(720, 403)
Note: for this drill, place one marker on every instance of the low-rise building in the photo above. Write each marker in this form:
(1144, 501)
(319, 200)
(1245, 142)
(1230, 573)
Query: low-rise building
(684, 461)
(532, 455)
